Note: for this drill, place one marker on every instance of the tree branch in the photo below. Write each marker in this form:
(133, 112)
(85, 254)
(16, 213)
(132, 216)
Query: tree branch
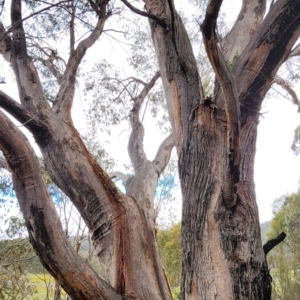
(64, 99)
(285, 85)
(30, 89)
(249, 19)
(160, 22)
(225, 80)
(267, 50)
(269, 245)
(72, 29)
(136, 141)
(163, 153)
(120, 175)
(25, 117)
(49, 63)
(42, 221)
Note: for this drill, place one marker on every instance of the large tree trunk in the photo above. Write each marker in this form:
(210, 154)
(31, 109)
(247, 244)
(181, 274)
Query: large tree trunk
(222, 253)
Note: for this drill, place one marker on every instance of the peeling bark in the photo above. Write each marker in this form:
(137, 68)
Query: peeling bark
(42, 221)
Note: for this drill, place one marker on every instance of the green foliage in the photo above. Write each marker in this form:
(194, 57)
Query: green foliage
(284, 259)
(296, 143)
(15, 257)
(99, 153)
(169, 243)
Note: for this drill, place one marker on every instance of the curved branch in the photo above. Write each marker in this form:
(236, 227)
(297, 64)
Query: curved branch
(285, 85)
(163, 154)
(64, 99)
(147, 87)
(42, 221)
(269, 245)
(120, 175)
(25, 117)
(160, 22)
(225, 79)
(136, 141)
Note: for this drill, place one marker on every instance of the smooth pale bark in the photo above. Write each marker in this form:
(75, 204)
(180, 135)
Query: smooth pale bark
(222, 253)
(249, 19)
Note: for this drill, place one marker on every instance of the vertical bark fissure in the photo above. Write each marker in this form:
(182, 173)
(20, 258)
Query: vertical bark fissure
(236, 226)
(229, 93)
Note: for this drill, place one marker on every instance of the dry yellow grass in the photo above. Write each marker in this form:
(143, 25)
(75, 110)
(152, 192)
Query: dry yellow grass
(44, 286)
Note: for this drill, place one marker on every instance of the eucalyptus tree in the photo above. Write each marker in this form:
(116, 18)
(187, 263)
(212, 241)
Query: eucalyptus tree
(214, 135)
(108, 213)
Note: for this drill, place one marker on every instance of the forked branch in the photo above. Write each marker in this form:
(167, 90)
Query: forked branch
(269, 47)
(136, 141)
(65, 96)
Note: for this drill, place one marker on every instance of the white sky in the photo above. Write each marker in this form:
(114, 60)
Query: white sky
(276, 168)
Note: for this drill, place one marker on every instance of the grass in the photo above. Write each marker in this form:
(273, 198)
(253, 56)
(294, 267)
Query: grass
(43, 283)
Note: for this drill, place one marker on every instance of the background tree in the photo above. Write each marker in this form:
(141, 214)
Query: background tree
(214, 134)
(169, 243)
(284, 259)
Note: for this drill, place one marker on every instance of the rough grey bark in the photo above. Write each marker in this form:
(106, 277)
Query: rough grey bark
(215, 138)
